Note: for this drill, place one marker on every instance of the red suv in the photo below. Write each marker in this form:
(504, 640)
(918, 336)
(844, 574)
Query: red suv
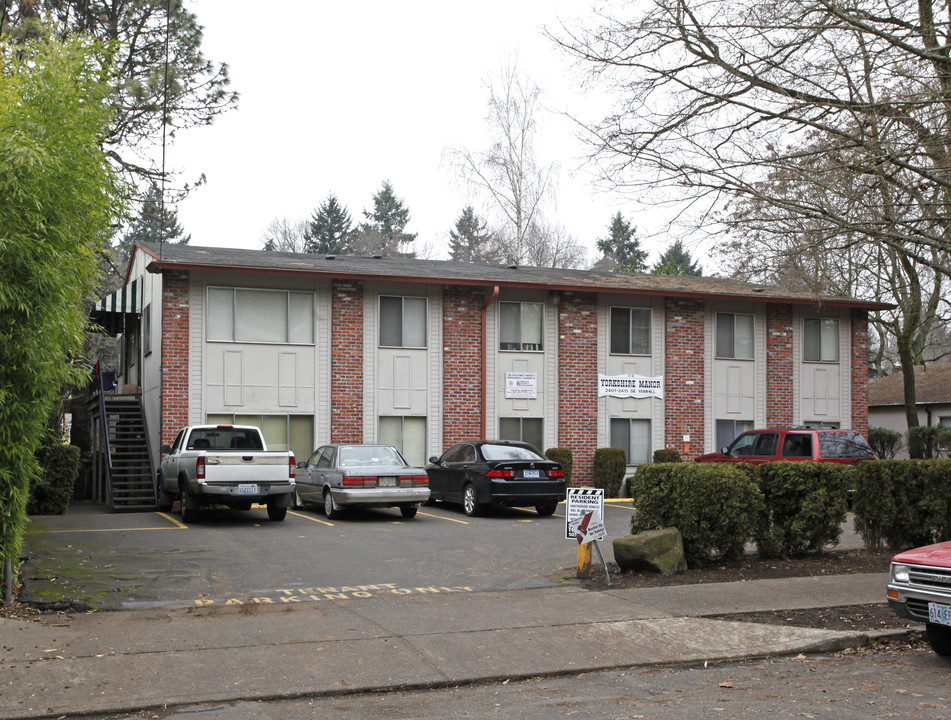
(847, 447)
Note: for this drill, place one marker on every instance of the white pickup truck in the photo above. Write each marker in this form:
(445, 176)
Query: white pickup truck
(225, 465)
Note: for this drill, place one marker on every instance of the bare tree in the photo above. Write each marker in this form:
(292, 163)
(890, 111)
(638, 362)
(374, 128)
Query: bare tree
(549, 245)
(283, 235)
(713, 96)
(508, 171)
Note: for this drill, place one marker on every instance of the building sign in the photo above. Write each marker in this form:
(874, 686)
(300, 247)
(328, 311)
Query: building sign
(521, 385)
(635, 386)
(584, 515)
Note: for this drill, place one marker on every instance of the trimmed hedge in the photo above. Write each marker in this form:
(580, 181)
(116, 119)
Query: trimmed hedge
(51, 492)
(564, 457)
(610, 464)
(902, 503)
(886, 444)
(667, 455)
(804, 506)
(929, 442)
(714, 505)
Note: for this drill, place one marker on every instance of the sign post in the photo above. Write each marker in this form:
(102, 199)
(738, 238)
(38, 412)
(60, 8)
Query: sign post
(584, 523)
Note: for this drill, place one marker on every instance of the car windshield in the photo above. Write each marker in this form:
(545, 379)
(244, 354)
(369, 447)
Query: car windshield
(369, 456)
(224, 438)
(509, 452)
(844, 444)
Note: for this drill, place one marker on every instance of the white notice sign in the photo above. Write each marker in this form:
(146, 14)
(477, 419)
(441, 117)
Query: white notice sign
(521, 385)
(584, 516)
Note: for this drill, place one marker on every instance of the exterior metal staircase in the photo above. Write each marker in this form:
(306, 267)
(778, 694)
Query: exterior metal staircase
(123, 463)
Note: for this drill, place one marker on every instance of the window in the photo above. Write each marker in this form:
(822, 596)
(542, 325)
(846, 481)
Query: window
(460, 454)
(755, 444)
(527, 430)
(727, 430)
(630, 331)
(402, 322)
(260, 316)
(147, 330)
(520, 326)
(820, 339)
(844, 445)
(281, 432)
(633, 437)
(406, 434)
(797, 445)
(734, 336)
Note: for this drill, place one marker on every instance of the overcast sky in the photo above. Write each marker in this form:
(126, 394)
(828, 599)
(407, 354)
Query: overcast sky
(337, 97)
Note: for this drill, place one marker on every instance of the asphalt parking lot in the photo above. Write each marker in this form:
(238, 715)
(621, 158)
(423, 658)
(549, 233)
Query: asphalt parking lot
(140, 560)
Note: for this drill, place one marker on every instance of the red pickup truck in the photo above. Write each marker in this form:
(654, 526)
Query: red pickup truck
(919, 588)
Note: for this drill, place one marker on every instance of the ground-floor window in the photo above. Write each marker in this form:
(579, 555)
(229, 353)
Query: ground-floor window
(633, 436)
(281, 432)
(408, 435)
(527, 430)
(728, 430)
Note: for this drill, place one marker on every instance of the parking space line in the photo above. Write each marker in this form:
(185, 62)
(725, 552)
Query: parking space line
(176, 526)
(183, 526)
(310, 517)
(443, 517)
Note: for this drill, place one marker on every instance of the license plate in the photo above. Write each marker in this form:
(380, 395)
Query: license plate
(530, 474)
(387, 482)
(247, 489)
(940, 614)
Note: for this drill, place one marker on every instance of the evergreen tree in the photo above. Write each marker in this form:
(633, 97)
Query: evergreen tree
(676, 260)
(471, 240)
(383, 231)
(329, 231)
(155, 223)
(623, 247)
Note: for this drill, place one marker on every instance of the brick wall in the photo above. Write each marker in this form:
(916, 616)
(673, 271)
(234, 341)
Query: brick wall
(684, 386)
(346, 359)
(175, 316)
(577, 382)
(860, 371)
(463, 348)
(779, 365)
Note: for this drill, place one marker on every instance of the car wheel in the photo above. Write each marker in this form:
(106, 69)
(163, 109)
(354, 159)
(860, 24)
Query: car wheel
(189, 507)
(276, 513)
(331, 509)
(408, 512)
(939, 637)
(469, 504)
(546, 509)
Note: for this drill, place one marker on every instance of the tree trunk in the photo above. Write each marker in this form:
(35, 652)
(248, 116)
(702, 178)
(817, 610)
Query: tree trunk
(908, 376)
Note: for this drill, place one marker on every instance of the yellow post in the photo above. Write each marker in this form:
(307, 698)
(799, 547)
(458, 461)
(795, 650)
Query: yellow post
(584, 561)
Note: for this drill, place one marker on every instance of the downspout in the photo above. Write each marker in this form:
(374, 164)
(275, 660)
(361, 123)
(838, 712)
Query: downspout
(485, 358)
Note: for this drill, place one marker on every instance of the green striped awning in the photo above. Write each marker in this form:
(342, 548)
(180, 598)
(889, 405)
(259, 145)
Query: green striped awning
(111, 311)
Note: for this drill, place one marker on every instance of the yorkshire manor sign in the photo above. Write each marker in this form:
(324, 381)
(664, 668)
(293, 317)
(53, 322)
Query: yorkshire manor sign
(635, 386)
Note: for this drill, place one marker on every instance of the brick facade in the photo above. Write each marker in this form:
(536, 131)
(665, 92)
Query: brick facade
(779, 365)
(175, 320)
(346, 358)
(463, 353)
(577, 373)
(684, 383)
(859, 361)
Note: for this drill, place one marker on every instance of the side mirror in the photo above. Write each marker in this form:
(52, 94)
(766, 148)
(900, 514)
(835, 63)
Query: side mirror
(166, 449)
(302, 464)
(725, 450)
(434, 460)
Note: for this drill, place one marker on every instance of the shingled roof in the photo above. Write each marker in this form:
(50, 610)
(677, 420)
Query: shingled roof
(932, 386)
(446, 272)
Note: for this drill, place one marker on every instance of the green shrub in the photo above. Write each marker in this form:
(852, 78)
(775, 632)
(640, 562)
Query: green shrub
(715, 506)
(665, 455)
(610, 464)
(902, 503)
(804, 506)
(563, 457)
(885, 443)
(928, 442)
(51, 492)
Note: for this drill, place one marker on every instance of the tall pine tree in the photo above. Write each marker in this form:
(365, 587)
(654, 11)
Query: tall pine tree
(622, 246)
(155, 222)
(471, 240)
(676, 260)
(383, 232)
(329, 231)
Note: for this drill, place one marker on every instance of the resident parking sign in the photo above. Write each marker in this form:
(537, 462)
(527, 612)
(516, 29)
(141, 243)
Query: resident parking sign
(584, 519)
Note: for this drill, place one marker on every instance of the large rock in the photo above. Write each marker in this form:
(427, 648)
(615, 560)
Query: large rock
(659, 551)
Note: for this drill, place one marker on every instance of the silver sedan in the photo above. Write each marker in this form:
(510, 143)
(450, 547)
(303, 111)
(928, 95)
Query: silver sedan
(342, 476)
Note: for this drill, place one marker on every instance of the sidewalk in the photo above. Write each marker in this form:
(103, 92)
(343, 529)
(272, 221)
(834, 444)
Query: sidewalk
(140, 659)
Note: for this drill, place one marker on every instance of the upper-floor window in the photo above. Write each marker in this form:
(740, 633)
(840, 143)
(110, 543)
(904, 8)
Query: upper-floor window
(630, 331)
(402, 322)
(260, 316)
(520, 326)
(734, 336)
(820, 339)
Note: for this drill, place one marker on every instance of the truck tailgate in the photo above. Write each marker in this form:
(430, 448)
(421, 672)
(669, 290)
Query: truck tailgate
(247, 467)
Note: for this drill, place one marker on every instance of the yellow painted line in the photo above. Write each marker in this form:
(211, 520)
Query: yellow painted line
(169, 517)
(176, 523)
(618, 501)
(443, 517)
(310, 517)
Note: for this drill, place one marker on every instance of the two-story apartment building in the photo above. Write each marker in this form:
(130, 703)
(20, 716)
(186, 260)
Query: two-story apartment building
(422, 353)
